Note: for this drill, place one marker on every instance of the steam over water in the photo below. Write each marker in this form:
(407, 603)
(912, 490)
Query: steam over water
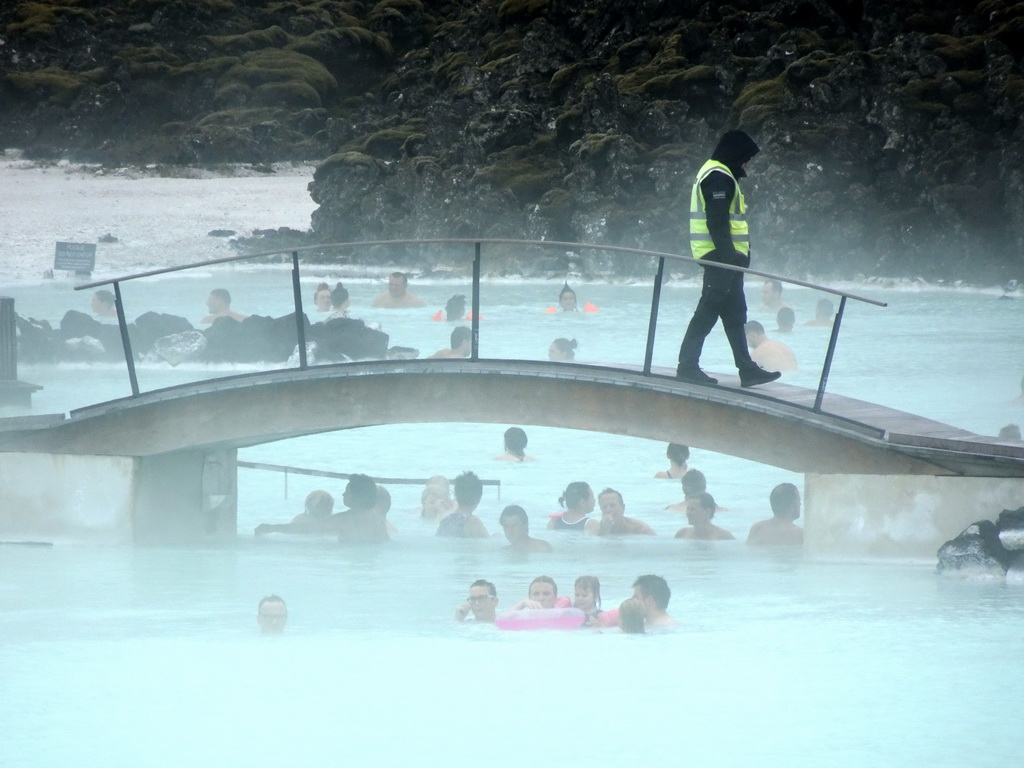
(118, 655)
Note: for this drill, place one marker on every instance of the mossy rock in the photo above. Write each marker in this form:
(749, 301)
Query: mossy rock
(39, 19)
(969, 80)
(278, 66)
(345, 166)
(524, 178)
(958, 52)
(451, 68)
(291, 95)
(389, 143)
(1013, 90)
(403, 7)
(326, 43)
(148, 55)
(521, 9)
(923, 95)
(53, 84)
(232, 96)
(811, 67)
(758, 101)
(272, 37)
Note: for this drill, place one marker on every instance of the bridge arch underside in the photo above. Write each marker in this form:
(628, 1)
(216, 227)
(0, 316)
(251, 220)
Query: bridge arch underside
(268, 407)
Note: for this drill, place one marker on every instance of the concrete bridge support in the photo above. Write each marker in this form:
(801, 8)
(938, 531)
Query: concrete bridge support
(185, 497)
(898, 515)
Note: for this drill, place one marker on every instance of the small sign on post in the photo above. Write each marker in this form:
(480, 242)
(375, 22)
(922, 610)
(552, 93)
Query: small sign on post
(79, 258)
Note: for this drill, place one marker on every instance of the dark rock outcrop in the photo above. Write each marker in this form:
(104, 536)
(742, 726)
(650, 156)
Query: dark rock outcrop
(985, 545)
(892, 133)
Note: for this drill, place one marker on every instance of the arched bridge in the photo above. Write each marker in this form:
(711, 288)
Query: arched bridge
(162, 464)
(774, 425)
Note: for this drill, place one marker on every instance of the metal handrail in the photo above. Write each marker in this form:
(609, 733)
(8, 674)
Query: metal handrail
(475, 310)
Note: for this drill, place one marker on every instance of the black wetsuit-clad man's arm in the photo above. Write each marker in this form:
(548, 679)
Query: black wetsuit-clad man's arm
(718, 192)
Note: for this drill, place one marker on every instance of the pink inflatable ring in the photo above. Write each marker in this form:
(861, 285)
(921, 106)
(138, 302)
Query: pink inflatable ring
(541, 618)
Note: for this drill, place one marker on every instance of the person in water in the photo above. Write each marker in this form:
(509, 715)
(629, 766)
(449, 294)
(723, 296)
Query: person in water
(312, 520)
(613, 517)
(461, 345)
(272, 615)
(693, 483)
(322, 298)
(436, 499)
(562, 350)
(567, 299)
(699, 511)
(454, 310)
(339, 302)
(515, 446)
(654, 593)
(719, 233)
(463, 523)
(398, 295)
(767, 352)
(578, 501)
(104, 304)
(632, 615)
(677, 455)
(587, 598)
(319, 506)
(516, 525)
(482, 602)
(785, 318)
(824, 311)
(364, 521)
(219, 305)
(780, 530)
(543, 593)
(771, 296)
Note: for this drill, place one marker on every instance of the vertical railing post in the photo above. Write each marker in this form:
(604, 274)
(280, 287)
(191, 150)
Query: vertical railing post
(475, 354)
(828, 355)
(652, 326)
(300, 325)
(126, 342)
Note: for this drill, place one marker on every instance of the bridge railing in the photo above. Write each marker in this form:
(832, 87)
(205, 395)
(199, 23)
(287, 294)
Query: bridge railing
(662, 259)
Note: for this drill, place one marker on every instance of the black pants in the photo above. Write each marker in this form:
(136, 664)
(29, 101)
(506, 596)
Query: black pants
(721, 298)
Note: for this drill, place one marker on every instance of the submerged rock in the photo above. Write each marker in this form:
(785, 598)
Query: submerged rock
(976, 547)
(1011, 528)
(179, 347)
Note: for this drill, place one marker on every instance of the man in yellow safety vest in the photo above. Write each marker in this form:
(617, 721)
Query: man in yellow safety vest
(719, 233)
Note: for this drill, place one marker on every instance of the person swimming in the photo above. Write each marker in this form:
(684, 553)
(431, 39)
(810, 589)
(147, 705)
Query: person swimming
(578, 500)
(515, 446)
(562, 350)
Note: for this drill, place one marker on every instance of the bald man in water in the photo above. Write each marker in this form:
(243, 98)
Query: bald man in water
(398, 295)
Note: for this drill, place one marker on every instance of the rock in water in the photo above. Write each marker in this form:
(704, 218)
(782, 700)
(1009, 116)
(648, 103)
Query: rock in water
(179, 347)
(976, 547)
(1011, 528)
(1015, 573)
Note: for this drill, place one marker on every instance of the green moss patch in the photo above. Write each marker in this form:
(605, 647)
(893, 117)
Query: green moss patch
(520, 9)
(924, 96)
(759, 101)
(52, 84)
(277, 66)
(38, 19)
(272, 37)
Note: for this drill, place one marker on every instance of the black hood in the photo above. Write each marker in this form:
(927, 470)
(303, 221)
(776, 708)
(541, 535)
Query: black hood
(734, 149)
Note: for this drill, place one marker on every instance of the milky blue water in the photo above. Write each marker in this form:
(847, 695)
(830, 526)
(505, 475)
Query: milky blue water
(117, 655)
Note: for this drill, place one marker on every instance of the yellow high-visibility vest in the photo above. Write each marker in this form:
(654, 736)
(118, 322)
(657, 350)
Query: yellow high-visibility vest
(700, 240)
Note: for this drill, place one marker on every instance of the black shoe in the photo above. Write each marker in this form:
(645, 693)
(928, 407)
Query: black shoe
(751, 377)
(694, 375)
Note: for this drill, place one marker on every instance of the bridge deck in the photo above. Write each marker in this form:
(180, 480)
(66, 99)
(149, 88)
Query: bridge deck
(766, 423)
